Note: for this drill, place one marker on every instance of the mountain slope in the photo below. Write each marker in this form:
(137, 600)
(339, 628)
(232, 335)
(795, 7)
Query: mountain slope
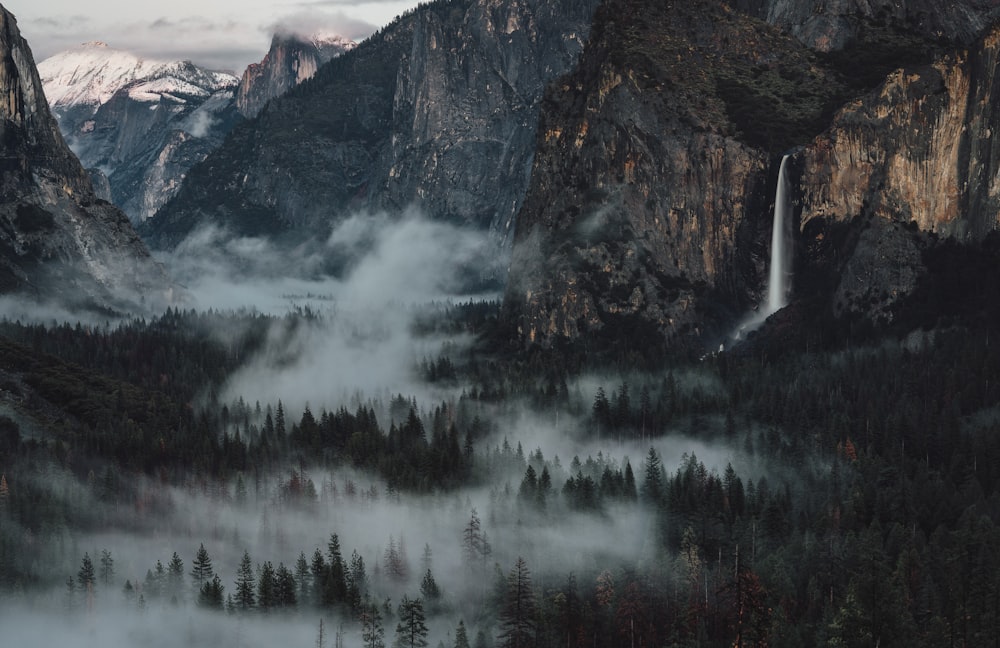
(57, 240)
(437, 110)
(143, 123)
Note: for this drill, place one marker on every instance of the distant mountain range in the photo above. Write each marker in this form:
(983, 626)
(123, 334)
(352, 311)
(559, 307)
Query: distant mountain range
(140, 124)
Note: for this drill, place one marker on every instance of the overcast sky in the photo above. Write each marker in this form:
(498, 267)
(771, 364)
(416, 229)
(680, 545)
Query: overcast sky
(220, 34)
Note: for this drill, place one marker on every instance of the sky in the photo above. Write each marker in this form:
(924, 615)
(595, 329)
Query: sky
(218, 34)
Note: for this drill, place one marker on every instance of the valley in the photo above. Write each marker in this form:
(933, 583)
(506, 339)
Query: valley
(518, 323)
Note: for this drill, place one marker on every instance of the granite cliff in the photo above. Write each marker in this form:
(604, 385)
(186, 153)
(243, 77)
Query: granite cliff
(57, 239)
(290, 60)
(647, 219)
(438, 110)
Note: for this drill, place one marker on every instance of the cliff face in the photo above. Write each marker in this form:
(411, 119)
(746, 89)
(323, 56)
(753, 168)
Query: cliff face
(919, 149)
(57, 240)
(648, 207)
(289, 61)
(913, 158)
(438, 110)
(648, 216)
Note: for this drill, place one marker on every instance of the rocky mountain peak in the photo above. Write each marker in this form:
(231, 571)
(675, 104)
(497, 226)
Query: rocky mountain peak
(291, 59)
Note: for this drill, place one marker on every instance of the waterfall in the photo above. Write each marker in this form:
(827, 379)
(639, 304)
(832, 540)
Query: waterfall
(781, 261)
(777, 284)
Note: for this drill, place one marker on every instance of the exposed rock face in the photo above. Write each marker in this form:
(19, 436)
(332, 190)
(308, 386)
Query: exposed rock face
(920, 153)
(438, 110)
(647, 214)
(649, 207)
(57, 240)
(836, 24)
(919, 149)
(143, 123)
(290, 61)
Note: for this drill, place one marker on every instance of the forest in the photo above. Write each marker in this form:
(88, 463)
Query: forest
(840, 496)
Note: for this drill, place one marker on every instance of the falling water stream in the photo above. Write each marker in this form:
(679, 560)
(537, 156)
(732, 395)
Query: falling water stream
(781, 259)
(777, 284)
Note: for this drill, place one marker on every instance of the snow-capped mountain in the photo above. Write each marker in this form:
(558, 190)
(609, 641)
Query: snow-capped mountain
(90, 74)
(141, 122)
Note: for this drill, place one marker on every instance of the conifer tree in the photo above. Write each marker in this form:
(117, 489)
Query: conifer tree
(85, 577)
(411, 631)
(461, 636)
(175, 578)
(211, 594)
(107, 567)
(245, 597)
(201, 568)
(372, 632)
(517, 618)
(303, 578)
(266, 587)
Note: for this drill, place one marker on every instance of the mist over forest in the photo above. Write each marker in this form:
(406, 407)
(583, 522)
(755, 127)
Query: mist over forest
(344, 458)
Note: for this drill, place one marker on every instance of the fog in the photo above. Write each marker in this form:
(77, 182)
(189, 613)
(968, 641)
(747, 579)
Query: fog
(351, 339)
(387, 270)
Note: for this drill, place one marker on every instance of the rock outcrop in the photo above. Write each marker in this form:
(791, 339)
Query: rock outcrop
(290, 60)
(438, 110)
(57, 240)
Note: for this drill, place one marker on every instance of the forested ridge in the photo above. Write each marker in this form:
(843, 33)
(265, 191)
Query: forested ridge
(850, 496)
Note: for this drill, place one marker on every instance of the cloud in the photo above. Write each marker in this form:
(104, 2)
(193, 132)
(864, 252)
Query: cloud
(367, 282)
(308, 23)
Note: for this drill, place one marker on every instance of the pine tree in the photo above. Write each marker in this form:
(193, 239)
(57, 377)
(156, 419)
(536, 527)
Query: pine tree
(517, 618)
(461, 636)
(303, 577)
(201, 568)
(175, 578)
(357, 581)
(411, 632)
(652, 485)
(266, 588)
(429, 588)
(245, 598)
(372, 632)
(85, 577)
(472, 541)
(107, 567)
(337, 579)
(284, 583)
(211, 594)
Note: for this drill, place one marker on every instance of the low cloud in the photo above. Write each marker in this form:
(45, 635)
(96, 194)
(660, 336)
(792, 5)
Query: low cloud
(366, 282)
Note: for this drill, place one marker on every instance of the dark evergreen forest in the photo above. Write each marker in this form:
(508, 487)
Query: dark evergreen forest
(845, 495)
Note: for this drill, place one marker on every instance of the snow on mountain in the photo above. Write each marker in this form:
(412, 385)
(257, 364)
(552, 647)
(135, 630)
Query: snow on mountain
(331, 39)
(90, 74)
